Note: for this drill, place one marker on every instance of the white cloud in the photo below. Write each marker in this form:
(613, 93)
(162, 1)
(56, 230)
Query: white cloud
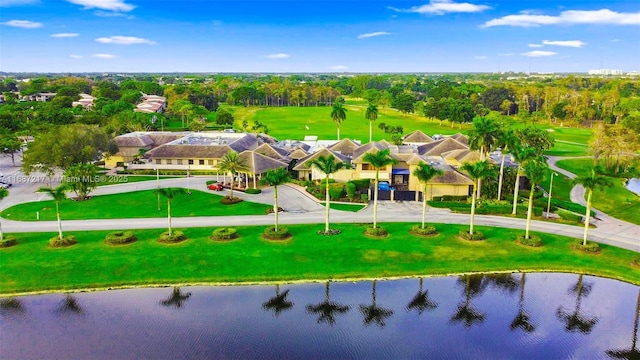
(104, 56)
(539, 53)
(64, 35)
(566, 43)
(440, 7)
(73, 56)
(277, 56)
(480, 57)
(506, 54)
(7, 3)
(111, 5)
(373, 34)
(616, 40)
(101, 13)
(124, 40)
(338, 67)
(568, 17)
(535, 45)
(25, 24)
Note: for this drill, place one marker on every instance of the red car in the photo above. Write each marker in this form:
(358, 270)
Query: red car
(215, 187)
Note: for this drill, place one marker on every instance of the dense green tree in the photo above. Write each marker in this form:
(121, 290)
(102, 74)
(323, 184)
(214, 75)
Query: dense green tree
(404, 102)
(224, 117)
(82, 179)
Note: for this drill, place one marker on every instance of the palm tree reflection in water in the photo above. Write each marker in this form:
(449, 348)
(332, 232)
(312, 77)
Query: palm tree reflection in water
(421, 301)
(278, 303)
(327, 310)
(374, 313)
(576, 321)
(474, 285)
(522, 320)
(633, 353)
(176, 299)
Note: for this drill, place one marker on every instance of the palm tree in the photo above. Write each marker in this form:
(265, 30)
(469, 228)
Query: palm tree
(482, 137)
(328, 165)
(520, 155)
(327, 309)
(3, 194)
(591, 182)
(274, 178)
(378, 160)
(522, 319)
(476, 171)
(576, 321)
(231, 164)
(507, 141)
(169, 193)
(535, 171)
(632, 353)
(371, 114)
(421, 301)
(58, 194)
(425, 172)
(338, 114)
(279, 302)
(373, 313)
(176, 299)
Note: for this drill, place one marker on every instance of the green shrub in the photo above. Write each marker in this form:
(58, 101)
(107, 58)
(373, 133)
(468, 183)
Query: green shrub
(543, 202)
(330, 232)
(252, 191)
(590, 248)
(351, 190)
(569, 216)
(450, 205)
(364, 198)
(506, 209)
(120, 237)
(228, 200)
(176, 237)
(378, 232)
(270, 233)
(428, 230)
(270, 210)
(224, 234)
(465, 235)
(533, 240)
(209, 182)
(450, 198)
(336, 192)
(8, 241)
(571, 206)
(66, 241)
(362, 184)
(537, 194)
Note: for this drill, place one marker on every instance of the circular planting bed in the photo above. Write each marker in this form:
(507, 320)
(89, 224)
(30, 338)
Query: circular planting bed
(8, 241)
(66, 241)
(227, 200)
(331, 232)
(270, 233)
(465, 235)
(120, 238)
(427, 231)
(377, 232)
(270, 210)
(590, 248)
(532, 241)
(224, 234)
(175, 237)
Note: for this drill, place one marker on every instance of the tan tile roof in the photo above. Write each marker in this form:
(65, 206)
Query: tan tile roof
(418, 137)
(451, 177)
(461, 138)
(302, 163)
(189, 151)
(345, 147)
(259, 164)
(140, 141)
(272, 152)
(369, 147)
(437, 148)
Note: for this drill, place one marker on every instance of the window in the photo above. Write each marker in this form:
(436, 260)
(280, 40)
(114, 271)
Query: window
(367, 167)
(168, 161)
(190, 161)
(179, 161)
(158, 161)
(200, 162)
(210, 162)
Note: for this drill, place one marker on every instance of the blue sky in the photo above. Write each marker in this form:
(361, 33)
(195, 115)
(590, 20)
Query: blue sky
(318, 36)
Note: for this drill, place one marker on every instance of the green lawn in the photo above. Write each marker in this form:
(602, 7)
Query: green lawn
(562, 148)
(33, 266)
(125, 179)
(616, 201)
(562, 186)
(138, 204)
(345, 207)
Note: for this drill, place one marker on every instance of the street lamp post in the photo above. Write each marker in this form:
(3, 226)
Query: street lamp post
(554, 174)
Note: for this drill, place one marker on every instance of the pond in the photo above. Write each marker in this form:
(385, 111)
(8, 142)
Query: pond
(524, 316)
(633, 185)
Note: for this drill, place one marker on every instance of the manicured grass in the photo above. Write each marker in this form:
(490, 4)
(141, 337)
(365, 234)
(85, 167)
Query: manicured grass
(138, 204)
(573, 135)
(32, 266)
(126, 179)
(562, 186)
(562, 148)
(345, 207)
(616, 201)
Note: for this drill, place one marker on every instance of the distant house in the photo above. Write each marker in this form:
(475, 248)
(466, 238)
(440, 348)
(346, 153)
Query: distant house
(129, 145)
(86, 101)
(152, 104)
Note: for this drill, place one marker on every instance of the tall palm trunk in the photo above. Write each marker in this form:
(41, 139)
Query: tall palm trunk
(501, 177)
(375, 202)
(482, 158)
(473, 206)
(370, 131)
(327, 205)
(424, 204)
(587, 218)
(233, 175)
(169, 215)
(515, 191)
(529, 211)
(275, 206)
(1, 234)
(59, 221)
(338, 127)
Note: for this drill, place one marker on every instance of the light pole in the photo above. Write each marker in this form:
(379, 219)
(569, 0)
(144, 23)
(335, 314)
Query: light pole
(554, 174)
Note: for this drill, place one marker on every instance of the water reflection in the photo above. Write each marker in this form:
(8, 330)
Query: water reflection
(576, 321)
(69, 306)
(374, 314)
(522, 320)
(421, 301)
(11, 306)
(474, 285)
(278, 303)
(327, 310)
(176, 299)
(632, 353)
